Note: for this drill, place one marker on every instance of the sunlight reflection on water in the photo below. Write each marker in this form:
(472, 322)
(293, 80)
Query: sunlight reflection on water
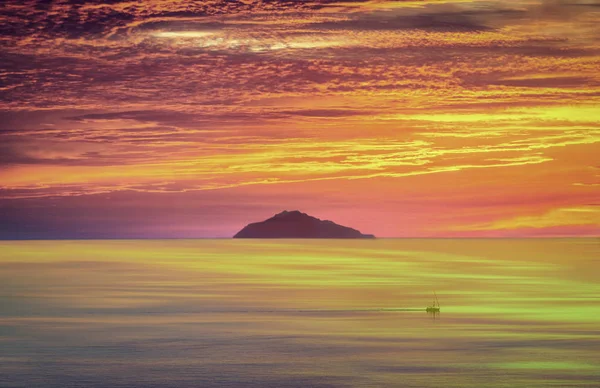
(201, 313)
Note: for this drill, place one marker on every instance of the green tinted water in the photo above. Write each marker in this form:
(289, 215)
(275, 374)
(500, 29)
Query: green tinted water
(285, 313)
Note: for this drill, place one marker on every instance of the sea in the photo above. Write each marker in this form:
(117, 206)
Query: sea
(300, 313)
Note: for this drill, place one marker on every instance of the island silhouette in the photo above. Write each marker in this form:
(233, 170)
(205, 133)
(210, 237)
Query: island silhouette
(295, 224)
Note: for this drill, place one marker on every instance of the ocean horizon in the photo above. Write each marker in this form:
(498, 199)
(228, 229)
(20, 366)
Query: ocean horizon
(291, 313)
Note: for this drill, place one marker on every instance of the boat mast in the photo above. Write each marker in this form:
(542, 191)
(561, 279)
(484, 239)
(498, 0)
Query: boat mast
(436, 299)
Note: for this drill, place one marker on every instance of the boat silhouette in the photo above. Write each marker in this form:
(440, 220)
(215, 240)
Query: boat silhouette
(435, 306)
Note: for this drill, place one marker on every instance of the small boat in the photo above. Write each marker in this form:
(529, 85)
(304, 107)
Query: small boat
(435, 306)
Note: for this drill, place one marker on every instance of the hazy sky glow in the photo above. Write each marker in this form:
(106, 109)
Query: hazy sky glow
(171, 118)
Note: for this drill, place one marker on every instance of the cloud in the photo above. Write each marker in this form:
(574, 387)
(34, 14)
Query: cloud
(167, 117)
(439, 22)
(587, 217)
(327, 112)
(177, 97)
(547, 82)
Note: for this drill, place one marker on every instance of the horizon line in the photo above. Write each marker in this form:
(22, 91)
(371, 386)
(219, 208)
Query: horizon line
(300, 239)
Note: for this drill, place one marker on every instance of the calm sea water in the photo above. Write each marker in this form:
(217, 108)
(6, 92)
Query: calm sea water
(300, 313)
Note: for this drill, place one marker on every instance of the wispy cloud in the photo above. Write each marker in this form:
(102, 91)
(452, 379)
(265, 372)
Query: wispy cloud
(167, 98)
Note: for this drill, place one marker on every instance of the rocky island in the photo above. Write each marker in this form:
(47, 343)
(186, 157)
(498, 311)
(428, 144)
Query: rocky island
(295, 224)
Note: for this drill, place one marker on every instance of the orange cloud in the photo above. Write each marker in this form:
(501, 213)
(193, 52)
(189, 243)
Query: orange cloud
(456, 114)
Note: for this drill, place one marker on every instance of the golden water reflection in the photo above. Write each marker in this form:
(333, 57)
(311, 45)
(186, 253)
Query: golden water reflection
(299, 313)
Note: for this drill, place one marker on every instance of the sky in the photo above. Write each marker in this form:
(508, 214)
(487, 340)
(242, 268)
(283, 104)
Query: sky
(186, 119)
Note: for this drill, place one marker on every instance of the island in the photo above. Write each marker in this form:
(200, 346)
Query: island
(295, 224)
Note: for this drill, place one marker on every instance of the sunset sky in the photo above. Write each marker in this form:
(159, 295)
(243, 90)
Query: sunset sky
(164, 118)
